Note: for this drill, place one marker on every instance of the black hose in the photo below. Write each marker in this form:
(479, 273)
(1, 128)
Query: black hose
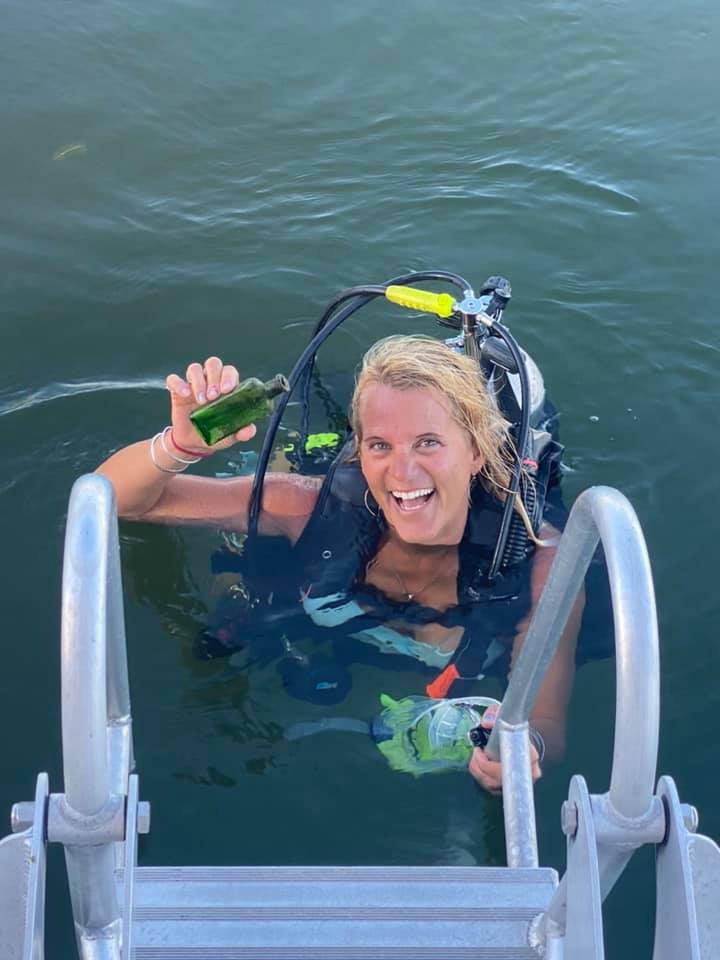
(518, 540)
(368, 293)
(282, 401)
(408, 278)
(520, 445)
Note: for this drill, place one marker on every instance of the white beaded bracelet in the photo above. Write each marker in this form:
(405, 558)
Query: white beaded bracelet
(154, 458)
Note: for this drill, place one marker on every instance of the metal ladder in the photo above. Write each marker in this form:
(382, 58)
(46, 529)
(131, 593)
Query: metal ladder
(122, 911)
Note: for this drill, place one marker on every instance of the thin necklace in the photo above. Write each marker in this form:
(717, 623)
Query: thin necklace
(416, 593)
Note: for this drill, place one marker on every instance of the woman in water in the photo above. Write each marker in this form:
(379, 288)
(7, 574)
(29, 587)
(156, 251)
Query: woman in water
(430, 447)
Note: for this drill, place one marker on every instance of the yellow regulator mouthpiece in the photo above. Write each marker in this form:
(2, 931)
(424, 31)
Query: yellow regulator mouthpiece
(440, 304)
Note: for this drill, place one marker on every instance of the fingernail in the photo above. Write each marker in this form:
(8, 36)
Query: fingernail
(185, 391)
(226, 385)
(212, 393)
(201, 397)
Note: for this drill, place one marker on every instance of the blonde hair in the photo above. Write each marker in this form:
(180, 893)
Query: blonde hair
(412, 362)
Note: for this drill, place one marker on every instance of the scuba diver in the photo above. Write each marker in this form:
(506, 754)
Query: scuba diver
(428, 536)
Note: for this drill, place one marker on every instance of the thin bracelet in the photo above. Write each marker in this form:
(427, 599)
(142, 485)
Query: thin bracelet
(174, 456)
(536, 739)
(191, 453)
(154, 459)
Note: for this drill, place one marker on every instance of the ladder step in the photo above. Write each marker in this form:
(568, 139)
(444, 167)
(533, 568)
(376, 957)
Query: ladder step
(337, 913)
(397, 887)
(319, 913)
(334, 953)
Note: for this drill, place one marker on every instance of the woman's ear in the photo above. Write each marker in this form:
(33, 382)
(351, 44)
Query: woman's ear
(478, 462)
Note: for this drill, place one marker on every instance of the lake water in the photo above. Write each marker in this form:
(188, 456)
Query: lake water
(187, 178)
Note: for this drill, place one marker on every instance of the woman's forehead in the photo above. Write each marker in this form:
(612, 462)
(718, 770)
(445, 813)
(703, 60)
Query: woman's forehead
(415, 410)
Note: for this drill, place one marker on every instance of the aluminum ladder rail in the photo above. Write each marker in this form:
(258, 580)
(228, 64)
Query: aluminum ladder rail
(98, 817)
(100, 793)
(604, 831)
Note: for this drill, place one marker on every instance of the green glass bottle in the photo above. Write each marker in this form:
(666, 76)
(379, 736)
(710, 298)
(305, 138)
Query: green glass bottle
(250, 401)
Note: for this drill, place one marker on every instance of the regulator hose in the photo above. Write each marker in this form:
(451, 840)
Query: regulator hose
(364, 296)
(521, 445)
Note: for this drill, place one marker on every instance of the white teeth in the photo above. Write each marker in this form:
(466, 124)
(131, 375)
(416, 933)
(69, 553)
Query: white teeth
(411, 494)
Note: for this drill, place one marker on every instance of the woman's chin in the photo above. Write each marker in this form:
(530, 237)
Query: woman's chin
(426, 528)
(421, 528)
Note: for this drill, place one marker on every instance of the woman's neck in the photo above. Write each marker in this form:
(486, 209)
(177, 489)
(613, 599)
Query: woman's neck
(409, 570)
(413, 553)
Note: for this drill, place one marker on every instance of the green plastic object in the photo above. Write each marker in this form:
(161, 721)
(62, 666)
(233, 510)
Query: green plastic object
(250, 401)
(420, 735)
(317, 442)
(320, 441)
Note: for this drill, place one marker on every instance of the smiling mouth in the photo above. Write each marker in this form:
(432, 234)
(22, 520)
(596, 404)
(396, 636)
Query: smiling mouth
(411, 500)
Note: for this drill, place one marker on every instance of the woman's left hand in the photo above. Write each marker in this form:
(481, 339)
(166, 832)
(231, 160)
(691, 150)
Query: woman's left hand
(487, 772)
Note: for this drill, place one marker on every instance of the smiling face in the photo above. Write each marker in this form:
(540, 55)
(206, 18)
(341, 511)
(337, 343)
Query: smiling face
(417, 461)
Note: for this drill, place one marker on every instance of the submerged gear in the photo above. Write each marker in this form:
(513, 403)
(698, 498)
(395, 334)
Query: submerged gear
(315, 454)
(420, 735)
(316, 678)
(416, 734)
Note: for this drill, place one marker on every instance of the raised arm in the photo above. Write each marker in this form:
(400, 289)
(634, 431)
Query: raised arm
(148, 476)
(548, 715)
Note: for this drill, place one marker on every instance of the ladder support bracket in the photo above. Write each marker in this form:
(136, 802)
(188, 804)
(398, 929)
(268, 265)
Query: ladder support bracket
(75, 829)
(612, 828)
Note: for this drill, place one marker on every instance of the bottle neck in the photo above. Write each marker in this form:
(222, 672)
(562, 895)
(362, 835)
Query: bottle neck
(276, 386)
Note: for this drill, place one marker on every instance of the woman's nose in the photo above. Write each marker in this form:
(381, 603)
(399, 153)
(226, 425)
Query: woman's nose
(402, 466)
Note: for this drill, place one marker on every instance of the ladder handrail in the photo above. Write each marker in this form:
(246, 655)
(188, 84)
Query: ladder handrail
(599, 514)
(96, 724)
(95, 690)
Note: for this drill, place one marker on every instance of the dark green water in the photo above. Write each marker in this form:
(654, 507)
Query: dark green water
(234, 166)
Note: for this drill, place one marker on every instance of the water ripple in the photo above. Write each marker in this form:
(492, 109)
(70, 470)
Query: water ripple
(24, 400)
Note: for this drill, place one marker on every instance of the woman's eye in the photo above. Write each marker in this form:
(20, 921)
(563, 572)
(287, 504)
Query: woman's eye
(429, 442)
(378, 445)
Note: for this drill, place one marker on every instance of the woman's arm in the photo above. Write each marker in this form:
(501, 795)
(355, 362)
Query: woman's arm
(148, 486)
(548, 715)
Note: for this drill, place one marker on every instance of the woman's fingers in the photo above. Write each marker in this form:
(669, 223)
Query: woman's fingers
(219, 379)
(178, 387)
(212, 370)
(535, 768)
(489, 717)
(195, 375)
(247, 433)
(229, 379)
(242, 436)
(488, 773)
(203, 383)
